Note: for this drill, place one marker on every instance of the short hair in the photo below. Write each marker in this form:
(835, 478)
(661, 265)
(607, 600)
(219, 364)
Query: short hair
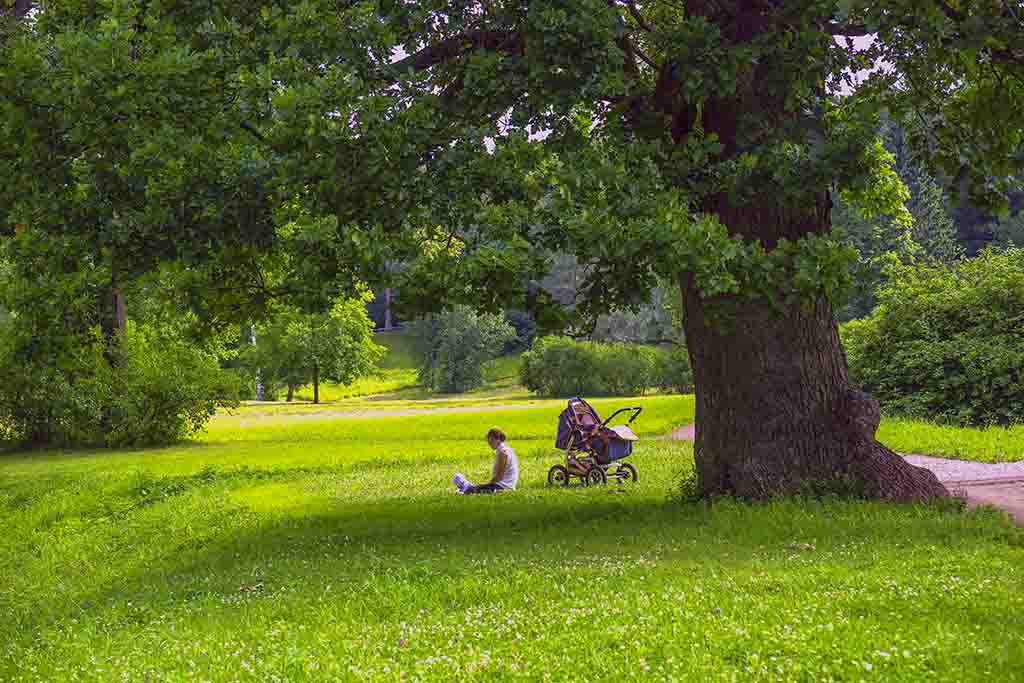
(496, 434)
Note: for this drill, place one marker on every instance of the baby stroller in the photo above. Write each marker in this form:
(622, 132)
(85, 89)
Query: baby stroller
(593, 451)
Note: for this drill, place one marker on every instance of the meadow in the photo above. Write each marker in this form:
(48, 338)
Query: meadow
(326, 543)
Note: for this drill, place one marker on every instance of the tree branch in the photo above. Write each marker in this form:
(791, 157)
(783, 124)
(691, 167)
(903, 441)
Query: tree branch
(852, 30)
(249, 128)
(950, 12)
(647, 60)
(635, 12)
(667, 88)
(499, 41)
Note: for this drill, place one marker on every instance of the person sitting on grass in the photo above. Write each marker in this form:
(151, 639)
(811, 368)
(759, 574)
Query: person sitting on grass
(504, 474)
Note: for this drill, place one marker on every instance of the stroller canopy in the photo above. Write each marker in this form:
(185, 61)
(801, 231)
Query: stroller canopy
(580, 427)
(578, 413)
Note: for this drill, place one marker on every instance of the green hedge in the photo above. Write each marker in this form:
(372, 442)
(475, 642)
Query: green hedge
(946, 342)
(560, 366)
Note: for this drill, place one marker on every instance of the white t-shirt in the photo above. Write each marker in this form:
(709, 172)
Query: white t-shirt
(510, 477)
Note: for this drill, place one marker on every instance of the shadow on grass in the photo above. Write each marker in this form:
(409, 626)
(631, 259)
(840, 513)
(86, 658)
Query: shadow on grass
(346, 542)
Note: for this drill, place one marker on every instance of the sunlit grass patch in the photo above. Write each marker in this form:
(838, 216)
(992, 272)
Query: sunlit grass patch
(385, 382)
(995, 444)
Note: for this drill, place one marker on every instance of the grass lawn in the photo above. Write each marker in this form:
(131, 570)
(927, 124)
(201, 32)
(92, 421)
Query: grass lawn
(304, 546)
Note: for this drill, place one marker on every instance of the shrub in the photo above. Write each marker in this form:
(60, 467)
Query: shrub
(625, 369)
(946, 342)
(52, 392)
(69, 395)
(560, 366)
(674, 372)
(167, 391)
(452, 347)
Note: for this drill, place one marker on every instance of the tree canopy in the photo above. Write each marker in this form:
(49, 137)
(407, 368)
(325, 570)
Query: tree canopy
(294, 348)
(345, 133)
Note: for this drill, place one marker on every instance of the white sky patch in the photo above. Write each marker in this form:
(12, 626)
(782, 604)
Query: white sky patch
(860, 44)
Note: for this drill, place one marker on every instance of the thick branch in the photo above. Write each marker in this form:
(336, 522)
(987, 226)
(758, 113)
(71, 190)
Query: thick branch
(647, 60)
(499, 41)
(667, 88)
(852, 30)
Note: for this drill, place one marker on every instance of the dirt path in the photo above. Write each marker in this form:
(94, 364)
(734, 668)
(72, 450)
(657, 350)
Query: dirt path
(1000, 484)
(255, 417)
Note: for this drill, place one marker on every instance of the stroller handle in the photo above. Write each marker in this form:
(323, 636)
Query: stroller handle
(636, 413)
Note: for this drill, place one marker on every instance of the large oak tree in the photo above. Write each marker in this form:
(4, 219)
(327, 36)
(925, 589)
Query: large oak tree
(699, 140)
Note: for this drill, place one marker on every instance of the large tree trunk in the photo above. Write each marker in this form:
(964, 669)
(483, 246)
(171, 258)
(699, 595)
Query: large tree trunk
(316, 383)
(775, 410)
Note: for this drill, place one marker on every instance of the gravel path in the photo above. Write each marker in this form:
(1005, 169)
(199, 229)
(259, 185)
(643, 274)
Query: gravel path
(967, 470)
(998, 484)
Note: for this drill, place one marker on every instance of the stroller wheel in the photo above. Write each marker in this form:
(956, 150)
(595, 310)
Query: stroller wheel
(596, 476)
(558, 476)
(626, 472)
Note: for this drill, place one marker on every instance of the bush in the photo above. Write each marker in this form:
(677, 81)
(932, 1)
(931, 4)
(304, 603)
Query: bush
(63, 391)
(452, 347)
(674, 372)
(560, 366)
(946, 342)
(51, 391)
(167, 391)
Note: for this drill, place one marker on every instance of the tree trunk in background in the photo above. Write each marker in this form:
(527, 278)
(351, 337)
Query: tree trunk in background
(259, 374)
(291, 393)
(112, 322)
(316, 383)
(775, 410)
(387, 308)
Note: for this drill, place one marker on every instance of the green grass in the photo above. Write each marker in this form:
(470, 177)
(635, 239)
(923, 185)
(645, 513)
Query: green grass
(503, 371)
(387, 381)
(399, 354)
(300, 546)
(995, 444)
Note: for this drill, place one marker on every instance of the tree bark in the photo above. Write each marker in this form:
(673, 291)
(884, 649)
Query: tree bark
(316, 383)
(112, 322)
(291, 393)
(775, 410)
